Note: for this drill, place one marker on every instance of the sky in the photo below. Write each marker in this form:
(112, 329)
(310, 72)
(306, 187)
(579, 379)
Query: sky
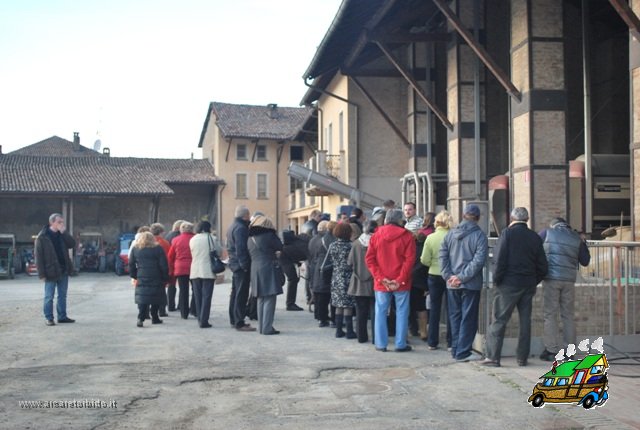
(139, 74)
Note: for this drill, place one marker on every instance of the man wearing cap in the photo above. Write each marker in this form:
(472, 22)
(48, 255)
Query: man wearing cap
(564, 249)
(462, 257)
(520, 265)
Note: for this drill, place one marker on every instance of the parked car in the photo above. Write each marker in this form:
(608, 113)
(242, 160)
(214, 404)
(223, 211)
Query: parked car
(122, 254)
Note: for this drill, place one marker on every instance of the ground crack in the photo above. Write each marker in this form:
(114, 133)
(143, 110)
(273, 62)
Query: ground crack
(210, 379)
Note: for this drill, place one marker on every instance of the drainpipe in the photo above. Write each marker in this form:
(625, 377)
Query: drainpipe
(476, 103)
(357, 125)
(586, 81)
(278, 157)
(219, 216)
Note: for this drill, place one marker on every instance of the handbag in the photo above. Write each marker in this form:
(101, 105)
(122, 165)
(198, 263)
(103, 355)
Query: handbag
(326, 268)
(217, 266)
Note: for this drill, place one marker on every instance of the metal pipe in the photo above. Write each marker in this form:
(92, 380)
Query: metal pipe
(416, 181)
(586, 82)
(476, 104)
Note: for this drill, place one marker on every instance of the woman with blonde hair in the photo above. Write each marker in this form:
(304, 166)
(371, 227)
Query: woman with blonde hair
(437, 285)
(149, 270)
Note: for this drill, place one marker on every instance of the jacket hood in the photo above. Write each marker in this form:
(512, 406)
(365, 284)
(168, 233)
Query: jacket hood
(390, 232)
(464, 229)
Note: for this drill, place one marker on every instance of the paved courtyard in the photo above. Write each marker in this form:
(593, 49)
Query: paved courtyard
(109, 374)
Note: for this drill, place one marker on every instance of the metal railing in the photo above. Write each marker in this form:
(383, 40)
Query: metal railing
(607, 295)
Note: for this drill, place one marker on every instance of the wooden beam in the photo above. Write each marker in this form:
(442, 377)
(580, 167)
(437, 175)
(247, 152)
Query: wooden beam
(628, 16)
(419, 73)
(407, 37)
(363, 39)
(414, 84)
(484, 56)
(381, 111)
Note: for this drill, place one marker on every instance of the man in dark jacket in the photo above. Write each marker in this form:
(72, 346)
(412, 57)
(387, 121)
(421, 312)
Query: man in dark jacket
(54, 266)
(520, 265)
(240, 265)
(294, 252)
(564, 249)
(462, 258)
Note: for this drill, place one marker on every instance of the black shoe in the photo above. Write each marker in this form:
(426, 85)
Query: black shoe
(158, 321)
(351, 335)
(49, 322)
(173, 309)
(323, 324)
(547, 356)
(522, 363)
(272, 332)
(164, 314)
(206, 325)
(332, 324)
(66, 320)
(294, 307)
(405, 349)
(340, 333)
(139, 323)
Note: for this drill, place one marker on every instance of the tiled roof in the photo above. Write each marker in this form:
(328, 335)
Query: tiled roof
(56, 147)
(259, 122)
(100, 175)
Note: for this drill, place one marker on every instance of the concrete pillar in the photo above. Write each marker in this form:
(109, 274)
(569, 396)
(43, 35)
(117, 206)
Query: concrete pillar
(539, 161)
(461, 61)
(634, 66)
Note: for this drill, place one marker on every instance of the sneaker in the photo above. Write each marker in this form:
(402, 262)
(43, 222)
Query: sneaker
(407, 348)
(381, 349)
(432, 348)
(474, 356)
(547, 356)
(49, 322)
(139, 324)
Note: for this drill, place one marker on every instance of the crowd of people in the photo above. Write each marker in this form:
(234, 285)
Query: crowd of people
(396, 269)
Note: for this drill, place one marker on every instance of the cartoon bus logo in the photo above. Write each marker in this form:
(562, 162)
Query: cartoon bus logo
(575, 381)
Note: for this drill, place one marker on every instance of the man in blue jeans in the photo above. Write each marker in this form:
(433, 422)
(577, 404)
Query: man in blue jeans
(462, 257)
(54, 266)
(390, 258)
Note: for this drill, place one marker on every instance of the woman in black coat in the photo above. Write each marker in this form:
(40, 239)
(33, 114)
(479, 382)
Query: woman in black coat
(320, 286)
(266, 284)
(149, 270)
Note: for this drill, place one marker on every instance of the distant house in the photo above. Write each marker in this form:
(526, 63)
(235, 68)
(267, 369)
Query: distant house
(250, 148)
(99, 193)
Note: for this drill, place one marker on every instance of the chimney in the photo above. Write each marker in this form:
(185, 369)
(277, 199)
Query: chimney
(273, 110)
(106, 152)
(76, 138)
(0, 149)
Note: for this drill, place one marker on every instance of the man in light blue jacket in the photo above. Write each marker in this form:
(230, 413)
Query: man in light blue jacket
(462, 257)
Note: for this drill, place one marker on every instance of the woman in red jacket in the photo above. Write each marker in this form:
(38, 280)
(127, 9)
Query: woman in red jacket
(390, 259)
(180, 264)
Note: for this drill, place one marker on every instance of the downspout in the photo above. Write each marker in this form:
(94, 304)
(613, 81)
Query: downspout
(219, 216)
(357, 125)
(586, 82)
(321, 146)
(278, 157)
(476, 104)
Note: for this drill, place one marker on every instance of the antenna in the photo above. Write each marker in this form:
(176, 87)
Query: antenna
(97, 144)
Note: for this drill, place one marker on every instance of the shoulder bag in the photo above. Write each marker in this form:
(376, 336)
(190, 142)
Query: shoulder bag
(217, 266)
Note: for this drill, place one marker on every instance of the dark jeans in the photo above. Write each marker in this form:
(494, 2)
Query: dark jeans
(505, 301)
(143, 312)
(292, 282)
(183, 283)
(365, 306)
(437, 289)
(463, 311)
(203, 292)
(321, 306)
(238, 300)
(171, 295)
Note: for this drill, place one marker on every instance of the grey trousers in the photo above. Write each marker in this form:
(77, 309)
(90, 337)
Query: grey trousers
(266, 311)
(506, 299)
(559, 297)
